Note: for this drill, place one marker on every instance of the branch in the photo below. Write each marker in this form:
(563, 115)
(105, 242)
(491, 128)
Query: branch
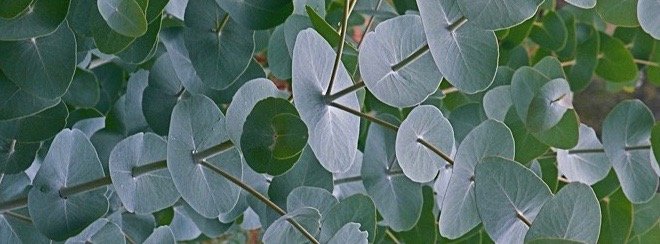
(84, 187)
(212, 151)
(365, 116)
(435, 150)
(340, 50)
(345, 91)
(146, 168)
(261, 197)
(524, 219)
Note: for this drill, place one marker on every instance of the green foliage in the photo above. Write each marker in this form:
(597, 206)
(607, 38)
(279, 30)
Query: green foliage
(326, 121)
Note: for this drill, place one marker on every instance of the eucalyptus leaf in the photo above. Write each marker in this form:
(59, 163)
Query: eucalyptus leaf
(41, 126)
(161, 235)
(124, 16)
(350, 233)
(629, 125)
(468, 56)
(42, 16)
(617, 218)
(391, 43)
(425, 124)
(12, 8)
(258, 15)
(161, 95)
(494, 15)
(12, 224)
(573, 214)
(618, 12)
(70, 161)
(509, 198)
(358, 209)
(38, 68)
(197, 124)
(333, 133)
(281, 231)
(583, 3)
(313, 197)
(589, 167)
(397, 198)
(142, 192)
(101, 231)
(16, 103)
(459, 209)
(617, 63)
(16, 156)
(648, 18)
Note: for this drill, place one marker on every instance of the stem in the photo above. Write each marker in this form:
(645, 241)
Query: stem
(369, 23)
(646, 62)
(457, 24)
(568, 63)
(13, 204)
(600, 150)
(12, 147)
(391, 236)
(340, 50)
(522, 217)
(347, 180)
(261, 197)
(347, 90)
(449, 90)
(365, 116)
(435, 150)
(414, 56)
(146, 168)
(221, 25)
(212, 151)
(87, 186)
(19, 216)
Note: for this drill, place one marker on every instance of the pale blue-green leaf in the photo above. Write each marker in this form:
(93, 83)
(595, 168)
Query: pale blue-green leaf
(16, 156)
(43, 17)
(418, 162)
(137, 227)
(144, 47)
(349, 183)
(219, 48)
(628, 125)
(161, 235)
(307, 171)
(41, 126)
(257, 14)
(587, 168)
(161, 95)
(499, 14)
(497, 102)
(183, 227)
(197, 124)
(123, 16)
(43, 66)
(313, 197)
(583, 3)
(281, 231)
(649, 19)
(71, 160)
(333, 133)
(393, 41)
(549, 104)
(350, 233)
(464, 118)
(618, 12)
(84, 90)
(525, 84)
(101, 231)
(13, 228)
(647, 215)
(468, 56)
(506, 192)
(358, 209)
(441, 185)
(243, 102)
(211, 227)
(397, 198)
(573, 214)
(279, 58)
(489, 139)
(147, 192)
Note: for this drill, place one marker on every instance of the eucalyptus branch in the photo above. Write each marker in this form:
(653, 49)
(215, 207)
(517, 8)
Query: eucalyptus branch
(68, 191)
(425, 48)
(435, 150)
(345, 91)
(646, 62)
(366, 116)
(13, 204)
(597, 150)
(146, 168)
(19, 216)
(261, 197)
(522, 218)
(340, 50)
(370, 22)
(391, 236)
(212, 151)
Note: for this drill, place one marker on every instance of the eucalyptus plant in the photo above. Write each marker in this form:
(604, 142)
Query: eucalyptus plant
(326, 121)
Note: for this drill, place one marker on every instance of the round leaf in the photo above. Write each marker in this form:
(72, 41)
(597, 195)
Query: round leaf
(583, 3)
(573, 214)
(101, 231)
(17, 103)
(358, 209)
(314, 197)
(16, 229)
(41, 18)
(12, 8)
(506, 193)
(628, 125)
(393, 41)
(43, 66)
(243, 102)
(468, 56)
(549, 105)
(618, 12)
(350, 233)
(617, 64)
(418, 161)
(161, 95)
(587, 168)
(459, 209)
(258, 15)
(274, 136)
(220, 49)
(492, 15)
(16, 156)
(281, 231)
(197, 124)
(333, 133)
(70, 161)
(143, 193)
(397, 198)
(161, 235)
(44, 125)
(123, 16)
(647, 13)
